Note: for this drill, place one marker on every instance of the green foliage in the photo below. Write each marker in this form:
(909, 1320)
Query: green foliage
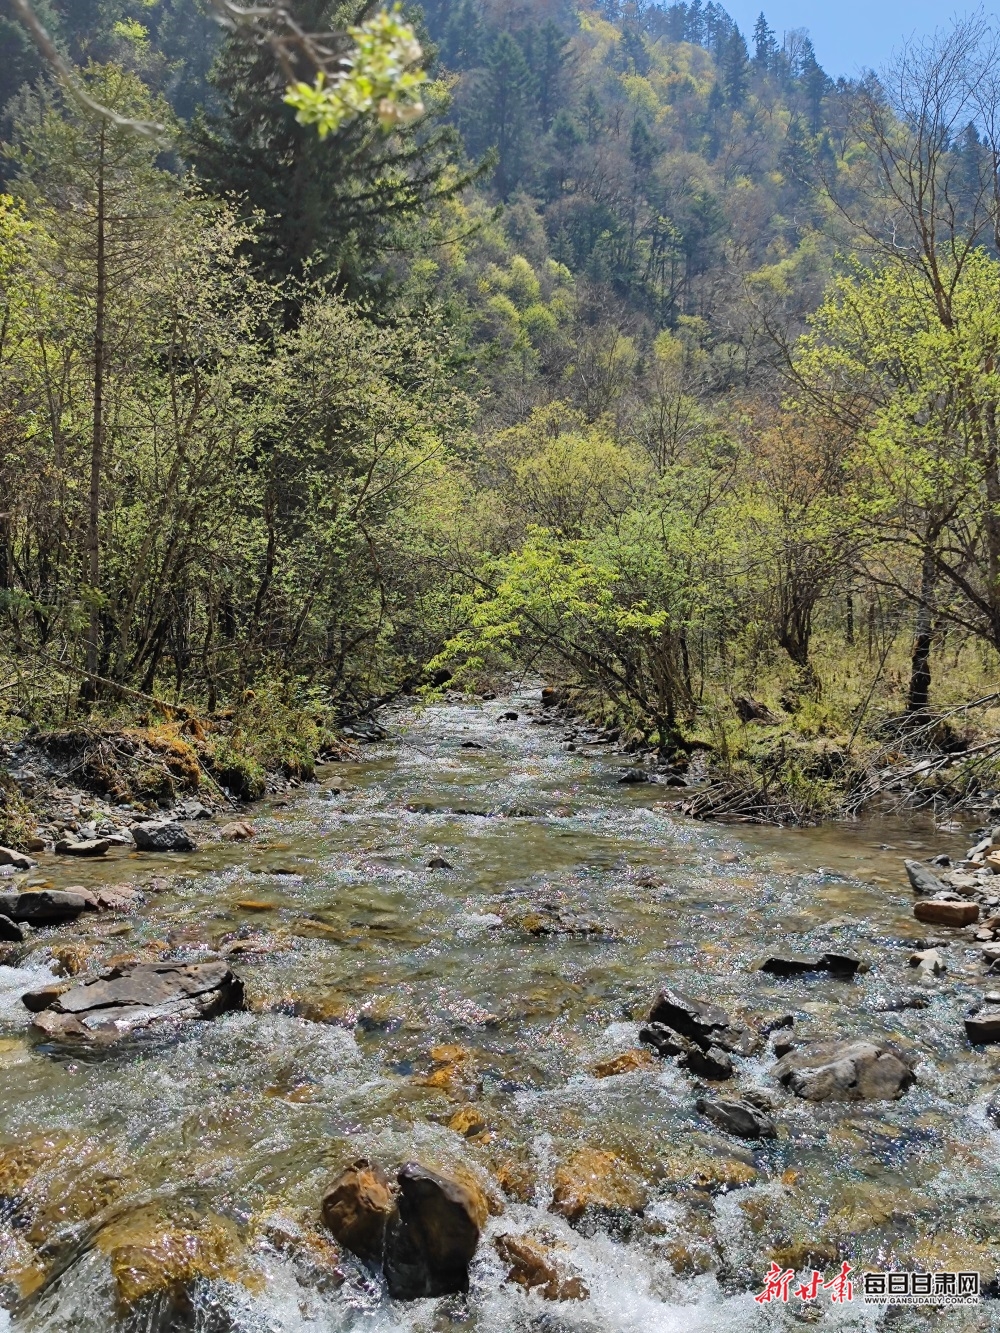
(379, 79)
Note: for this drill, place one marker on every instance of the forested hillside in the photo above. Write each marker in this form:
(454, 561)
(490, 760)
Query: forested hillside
(643, 356)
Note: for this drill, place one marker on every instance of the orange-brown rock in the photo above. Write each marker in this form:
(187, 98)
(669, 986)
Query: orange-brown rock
(468, 1122)
(537, 1267)
(237, 831)
(626, 1063)
(593, 1178)
(940, 912)
(162, 1258)
(358, 1207)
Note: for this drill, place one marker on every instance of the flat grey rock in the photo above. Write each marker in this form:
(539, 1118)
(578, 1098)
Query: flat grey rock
(738, 1117)
(43, 907)
(846, 1071)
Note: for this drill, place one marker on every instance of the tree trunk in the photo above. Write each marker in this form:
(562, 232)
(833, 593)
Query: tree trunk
(97, 441)
(920, 668)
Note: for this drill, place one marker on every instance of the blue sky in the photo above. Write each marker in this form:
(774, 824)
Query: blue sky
(848, 34)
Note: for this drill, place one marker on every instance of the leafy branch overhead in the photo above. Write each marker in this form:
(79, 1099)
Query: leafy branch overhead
(372, 68)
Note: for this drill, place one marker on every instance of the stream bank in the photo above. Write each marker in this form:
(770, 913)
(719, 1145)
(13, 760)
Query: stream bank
(483, 1017)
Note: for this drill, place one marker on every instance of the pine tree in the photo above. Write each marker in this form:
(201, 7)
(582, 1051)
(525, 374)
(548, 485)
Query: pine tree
(764, 45)
(735, 68)
(502, 115)
(593, 115)
(326, 204)
(550, 75)
(815, 85)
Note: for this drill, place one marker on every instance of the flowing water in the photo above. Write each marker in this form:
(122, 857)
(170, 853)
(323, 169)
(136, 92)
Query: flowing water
(359, 961)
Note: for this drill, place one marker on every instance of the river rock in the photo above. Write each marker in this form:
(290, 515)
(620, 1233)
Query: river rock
(8, 857)
(137, 995)
(237, 831)
(432, 1238)
(845, 1071)
(710, 1062)
(700, 1020)
(738, 1117)
(792, 964)
(439, 863)
(43, 907)
(597, 1180)
(625, 1063)
(929, 962)
(10, 931)
(537, 1267)
(87, 847)
(162, 836)
(357, 1209)
(941, 912)
(636, 776)
(843, 965)
(983, 1028)
(921, 879)
(663, 1040)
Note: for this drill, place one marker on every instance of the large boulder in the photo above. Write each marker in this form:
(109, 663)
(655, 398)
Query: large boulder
(44, 907)
(357, 1209)
(700, 1020)
(433, 1236)
(135, 996)
(162, 836)
(846, 1071)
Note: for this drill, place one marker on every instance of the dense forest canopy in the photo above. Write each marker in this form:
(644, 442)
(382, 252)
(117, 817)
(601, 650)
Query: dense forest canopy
(651, 358)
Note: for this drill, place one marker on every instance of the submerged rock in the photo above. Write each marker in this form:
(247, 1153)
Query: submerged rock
(625, 1063)
(593, 1179)
(433, 1236)
(157, 1263)
(846, 1071)
(135, 996)
(793, 964)
(738, 1117)
(162, 836)
(357, 1209)
(538, 1267)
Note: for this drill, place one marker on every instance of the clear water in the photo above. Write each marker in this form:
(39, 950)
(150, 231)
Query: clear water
(367, 959)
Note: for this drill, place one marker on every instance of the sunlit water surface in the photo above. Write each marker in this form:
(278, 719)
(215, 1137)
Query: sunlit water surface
(369, 959)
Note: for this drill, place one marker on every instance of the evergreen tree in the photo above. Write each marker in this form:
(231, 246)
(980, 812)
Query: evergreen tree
(462, 46)
(501, 118)
(735, 68)
(550, 75)
(765, 45)
(593, 115)
(328, 204)
(815, 85)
